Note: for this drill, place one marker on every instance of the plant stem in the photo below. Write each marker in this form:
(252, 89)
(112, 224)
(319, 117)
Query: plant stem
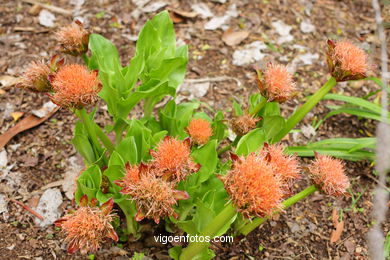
(258, 107)
(104, 138)
(304, 109)
(85, 59)
(226, 148)
(245, 230)
(195, 248)
(88, 123)
(129, 210)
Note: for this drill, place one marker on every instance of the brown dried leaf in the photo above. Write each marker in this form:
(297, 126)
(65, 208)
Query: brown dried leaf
(335, 217)
(336, 234)
(7, 81)
(184, 14)
(27, 123)
(233, 38)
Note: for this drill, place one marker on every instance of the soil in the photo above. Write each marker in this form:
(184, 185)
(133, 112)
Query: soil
(39, 156)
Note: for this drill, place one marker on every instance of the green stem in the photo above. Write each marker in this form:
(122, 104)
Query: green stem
(88, 123)
(85, 59)
(245, 230)
(258, 107)
(129, 210)
(304, 109)
(104, 138)
(195, 248)
(226, 148)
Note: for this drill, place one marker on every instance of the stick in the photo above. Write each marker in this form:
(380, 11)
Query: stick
(28, 209)
(55, 9)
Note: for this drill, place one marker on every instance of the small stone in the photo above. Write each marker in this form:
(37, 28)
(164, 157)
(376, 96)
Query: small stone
(358, 249)
(46, 18)
(48, 206)
(307, 27)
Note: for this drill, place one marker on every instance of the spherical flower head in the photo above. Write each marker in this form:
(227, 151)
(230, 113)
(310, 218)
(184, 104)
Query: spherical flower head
(88, 226)
(285, 166)
(35, 77)
(73, 39)
(199, 130)
(253, 186)
(276, 84)
(75, 86)
(172, 159)
(153, 196)
(346, 61)
(329, 175)
(244, 124)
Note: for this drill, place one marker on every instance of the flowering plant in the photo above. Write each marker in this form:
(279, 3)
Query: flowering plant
(168, 164)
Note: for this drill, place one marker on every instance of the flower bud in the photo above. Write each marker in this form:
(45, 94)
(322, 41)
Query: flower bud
(199, 130)
(329, 175)
(244, 124)
(276, 84)
(73, 39)
(346, 61)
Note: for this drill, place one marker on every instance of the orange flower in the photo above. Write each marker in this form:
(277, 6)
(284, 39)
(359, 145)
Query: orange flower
(346, 61)
(172, 159)
(285, 166)
(73, 39)
(328, 173)
(75, 86)
(36, 77)
(199, 130)
(244, 124)
(253, 186)
(154, 197)
(276, 84)
(88, 226)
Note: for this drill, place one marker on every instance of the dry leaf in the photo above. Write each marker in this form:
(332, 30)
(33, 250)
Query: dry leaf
(175, 18)
(336, 234)
(7, 81)
(17, 115)
(184, 14)
(335, 217)
(233, 38)
(27, 123)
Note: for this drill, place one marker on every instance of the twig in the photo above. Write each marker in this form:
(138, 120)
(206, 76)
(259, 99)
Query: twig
(377, 182)
(375, 236)
(52, 8)
(28, 209)
(216, 79)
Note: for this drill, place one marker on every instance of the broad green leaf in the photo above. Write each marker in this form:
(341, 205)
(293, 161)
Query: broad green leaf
(251, 142)
(207, 157)
(355, 101)
(272, 125)
(127, 148)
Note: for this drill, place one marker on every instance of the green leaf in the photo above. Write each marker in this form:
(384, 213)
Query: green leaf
(251, 142)
(272, 125)
(174, 252)
(164, 26)
(207, 157)
(89, 182)
(127, 148)
(355, 101)
(237, 109)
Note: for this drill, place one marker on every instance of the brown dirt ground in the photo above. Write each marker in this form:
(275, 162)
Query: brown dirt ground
(302, 232)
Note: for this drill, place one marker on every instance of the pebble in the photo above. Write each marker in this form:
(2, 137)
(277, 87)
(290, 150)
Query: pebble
(46, 18)
(249, 54)
(306, 26)
(48, 207)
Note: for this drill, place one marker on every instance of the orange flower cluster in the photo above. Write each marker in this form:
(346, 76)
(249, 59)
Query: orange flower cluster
(73, 39)
(152, 185)
(285, 166)
(244, 124)
(88, 226)
(258, 183)
(172, 159)
(346, 61)
(75, 86)
(253, 186)
(276, 84)
(154, 196)
(36, 76)
(329, 175)
(199, 130)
